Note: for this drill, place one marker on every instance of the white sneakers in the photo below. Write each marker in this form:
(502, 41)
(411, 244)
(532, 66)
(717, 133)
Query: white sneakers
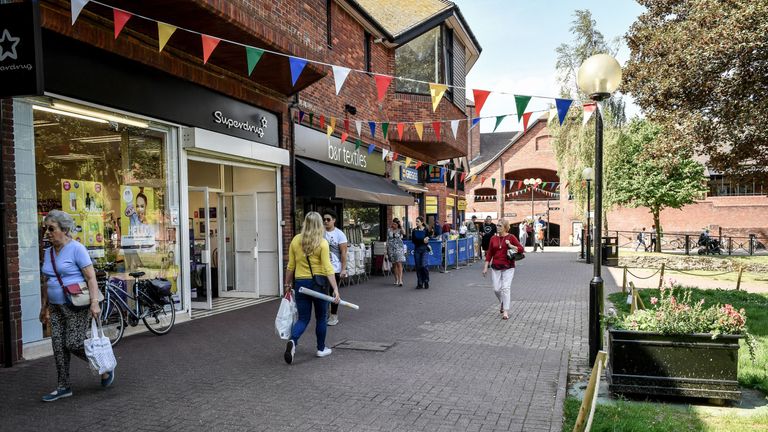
(324, 353)
(333, 320)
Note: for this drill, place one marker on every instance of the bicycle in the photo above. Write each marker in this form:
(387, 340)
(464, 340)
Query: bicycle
(156, 310)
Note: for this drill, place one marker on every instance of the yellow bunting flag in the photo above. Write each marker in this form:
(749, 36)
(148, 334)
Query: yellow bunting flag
(407, 161)
(164, 32)
(419, 128)
(436, 91)
(329, 131)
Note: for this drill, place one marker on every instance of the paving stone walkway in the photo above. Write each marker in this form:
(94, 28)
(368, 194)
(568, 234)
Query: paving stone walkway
(454, 364)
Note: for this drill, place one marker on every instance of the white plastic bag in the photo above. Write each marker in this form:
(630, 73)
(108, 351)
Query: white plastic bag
(287, 314)
(98, 350)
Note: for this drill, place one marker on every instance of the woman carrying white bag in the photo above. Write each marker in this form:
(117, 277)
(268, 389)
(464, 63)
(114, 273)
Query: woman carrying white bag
(287, 315)
(98, 351)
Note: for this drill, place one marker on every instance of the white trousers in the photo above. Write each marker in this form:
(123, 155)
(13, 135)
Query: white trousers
(502, 285)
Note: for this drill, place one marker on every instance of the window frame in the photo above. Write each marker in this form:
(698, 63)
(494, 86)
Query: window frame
(328, 24)
(367, 52)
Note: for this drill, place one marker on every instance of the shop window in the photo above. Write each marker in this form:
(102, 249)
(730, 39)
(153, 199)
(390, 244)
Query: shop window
(117, 180)
(724, 186)
(420, 59)
(362, 222)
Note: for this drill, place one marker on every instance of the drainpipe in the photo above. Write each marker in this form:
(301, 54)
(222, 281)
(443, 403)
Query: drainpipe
(501, 184)
(291, 150)
(8, 347)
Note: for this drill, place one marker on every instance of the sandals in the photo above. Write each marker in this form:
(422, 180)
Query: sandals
(505, 317)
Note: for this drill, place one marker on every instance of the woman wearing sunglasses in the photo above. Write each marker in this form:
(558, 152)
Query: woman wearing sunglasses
(500, 247)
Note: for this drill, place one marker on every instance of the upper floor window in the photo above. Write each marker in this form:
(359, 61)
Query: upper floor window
(723, 186)
(421, 59)
(328, 24)
(367, 47)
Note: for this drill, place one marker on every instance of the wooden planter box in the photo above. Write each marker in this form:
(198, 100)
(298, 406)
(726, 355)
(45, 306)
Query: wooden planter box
(694, 365)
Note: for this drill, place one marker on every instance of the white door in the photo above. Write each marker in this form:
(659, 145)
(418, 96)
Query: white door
(269, 255)
(240, 272)
(200, 266)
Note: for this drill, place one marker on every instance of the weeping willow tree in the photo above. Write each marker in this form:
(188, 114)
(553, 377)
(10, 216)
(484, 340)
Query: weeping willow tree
(574, 143)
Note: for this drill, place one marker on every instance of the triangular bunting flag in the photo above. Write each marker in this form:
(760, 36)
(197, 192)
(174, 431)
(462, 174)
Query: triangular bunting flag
(499, 119)
(311, 117)
(371, 148)
(120, 18)
(589, 108)
(480, 97)
(359, 126)
(407, 161)
(384, 153)
(384, 129)
(503, 183)
(543, 185)
(521, 102)
(301, 116)
(382, 82)
(453, 174)
(372, 125)
(339, 76)
(463, 177)
(419, 128)
(482, 180)
(562, 108)
(297, 66)
(394, 156)
(346, 125)
(164, 32)
(454, 127)
(519, 184)
(418, 164)
(552, 115)
(77, 7)
(475, 121)
(436, 128)
(209, 44)
(493, 181)
(333, 123)
(526, 118)
(253, 55)
(436, 91)
(357, 144)
(344, 137)
(322, 121)
(329, 131)
(400, 130)
(442, 172)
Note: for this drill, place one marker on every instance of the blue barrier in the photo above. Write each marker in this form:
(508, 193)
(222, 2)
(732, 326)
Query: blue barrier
(450, 252)
(435, 259)
(463, 250)
(471, 247)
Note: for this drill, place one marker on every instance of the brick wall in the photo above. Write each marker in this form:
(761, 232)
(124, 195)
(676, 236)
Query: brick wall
(473, 146)
(11, 241)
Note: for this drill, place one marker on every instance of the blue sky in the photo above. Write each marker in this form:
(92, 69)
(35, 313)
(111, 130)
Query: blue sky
(519, 40)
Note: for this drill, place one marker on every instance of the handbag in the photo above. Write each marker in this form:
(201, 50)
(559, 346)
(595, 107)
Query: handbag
(320, 282)
(98, 350)
(77, 295)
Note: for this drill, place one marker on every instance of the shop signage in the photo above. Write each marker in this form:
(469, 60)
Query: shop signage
(21, 55)
(409, 175)
(449, 202)
(462, 205)
(257, 128)
(313, 144)
(435, 174)
(431, 205)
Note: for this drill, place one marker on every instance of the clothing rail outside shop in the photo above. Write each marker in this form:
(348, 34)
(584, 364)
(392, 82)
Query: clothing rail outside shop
(687, 243)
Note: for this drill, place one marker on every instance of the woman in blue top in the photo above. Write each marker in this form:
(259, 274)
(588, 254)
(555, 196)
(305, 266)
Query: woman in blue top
(68, 325)
(420, 238)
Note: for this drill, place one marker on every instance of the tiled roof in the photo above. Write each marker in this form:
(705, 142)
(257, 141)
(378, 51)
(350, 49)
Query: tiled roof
(397, 16)
(492, 145)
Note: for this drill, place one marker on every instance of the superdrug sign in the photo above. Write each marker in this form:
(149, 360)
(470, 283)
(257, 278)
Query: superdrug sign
(21, 65)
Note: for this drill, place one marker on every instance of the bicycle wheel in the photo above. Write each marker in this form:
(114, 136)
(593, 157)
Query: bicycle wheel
(159, 318)
(112, 321)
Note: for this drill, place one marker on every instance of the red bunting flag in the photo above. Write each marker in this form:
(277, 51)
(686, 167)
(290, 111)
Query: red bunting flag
(394, 156)
(526, 118)
(463, 177)
(482, 178)
(418, 164)
(346, 125)
(209, 44)
(519, 184)
(436, 127)
(121, 18)
(344, 136)
(322, 121)
(400, 130)
(480, 97)
(382, 83)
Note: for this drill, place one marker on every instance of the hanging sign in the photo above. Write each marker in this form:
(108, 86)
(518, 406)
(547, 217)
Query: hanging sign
(431, 205)
(21, 55)
(462, 204)
(449, 202)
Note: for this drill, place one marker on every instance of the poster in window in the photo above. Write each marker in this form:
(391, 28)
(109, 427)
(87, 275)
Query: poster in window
(72, 196)
(137, 210)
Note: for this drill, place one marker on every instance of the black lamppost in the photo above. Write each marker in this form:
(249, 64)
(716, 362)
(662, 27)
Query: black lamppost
(588, 174)
(598, 77)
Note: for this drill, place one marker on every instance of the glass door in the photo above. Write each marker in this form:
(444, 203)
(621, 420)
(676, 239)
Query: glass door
(200, 248)
(239, 268)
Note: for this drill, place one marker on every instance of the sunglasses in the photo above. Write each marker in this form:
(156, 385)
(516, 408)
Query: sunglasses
(326, 219)
(50, 228)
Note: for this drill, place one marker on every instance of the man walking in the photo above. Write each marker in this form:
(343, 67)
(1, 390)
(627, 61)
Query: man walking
(652, 246)
(641, 240)
(522, 231)
(538, 232)
(488, 230)
(337, 243)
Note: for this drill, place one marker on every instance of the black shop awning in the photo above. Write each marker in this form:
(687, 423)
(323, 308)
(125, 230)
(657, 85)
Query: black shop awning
(322, 180)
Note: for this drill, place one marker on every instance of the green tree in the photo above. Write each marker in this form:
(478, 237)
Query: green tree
(699, 68)
(654, 176)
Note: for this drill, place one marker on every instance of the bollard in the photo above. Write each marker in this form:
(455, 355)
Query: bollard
(661, 275)
(633, 306)
(687, 244)
(738, 279)
(624, 282)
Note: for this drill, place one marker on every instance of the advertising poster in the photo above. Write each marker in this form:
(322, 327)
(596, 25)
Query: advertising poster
(137, 209)
(84, 201)
(93, 200)
(93, 234)
(72, 196)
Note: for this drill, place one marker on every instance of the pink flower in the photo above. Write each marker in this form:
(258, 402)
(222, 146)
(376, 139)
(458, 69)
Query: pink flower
(654, 300)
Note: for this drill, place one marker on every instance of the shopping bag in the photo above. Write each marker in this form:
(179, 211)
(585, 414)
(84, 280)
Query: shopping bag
(98, 350)
(386, 266)
(287, 314)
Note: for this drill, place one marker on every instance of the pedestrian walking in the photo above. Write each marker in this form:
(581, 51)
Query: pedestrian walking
(652, 245)
(337, 244)
(420, 239)
(309, 256)
(472, 225)
(488, 230)
(67, 263)
(502, 266)
(396, 249)
(641, 240)
(538, 242)
(522, 231)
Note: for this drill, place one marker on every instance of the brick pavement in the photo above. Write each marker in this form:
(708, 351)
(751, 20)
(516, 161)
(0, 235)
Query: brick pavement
(454, 366)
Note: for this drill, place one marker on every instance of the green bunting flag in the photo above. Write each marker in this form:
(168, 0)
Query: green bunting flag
(311, 116)
(499, 119)
(521, 102)
(357, 144)
(254, 55)
(493, 182)
(384, 129)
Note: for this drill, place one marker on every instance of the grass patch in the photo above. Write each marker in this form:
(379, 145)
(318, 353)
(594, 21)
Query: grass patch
(751, 374)
(652, 417)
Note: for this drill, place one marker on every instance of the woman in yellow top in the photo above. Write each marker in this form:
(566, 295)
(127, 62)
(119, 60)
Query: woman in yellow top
(309, 254)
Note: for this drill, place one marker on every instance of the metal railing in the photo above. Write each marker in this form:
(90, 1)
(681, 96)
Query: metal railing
(688, 243)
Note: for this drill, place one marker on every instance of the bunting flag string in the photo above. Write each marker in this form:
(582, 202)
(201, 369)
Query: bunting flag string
(297, 64)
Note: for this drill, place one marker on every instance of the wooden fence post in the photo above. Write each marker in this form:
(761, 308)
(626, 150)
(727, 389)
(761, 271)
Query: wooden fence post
(587, 409)
(661, 276)
(624, 282)
(738, 279)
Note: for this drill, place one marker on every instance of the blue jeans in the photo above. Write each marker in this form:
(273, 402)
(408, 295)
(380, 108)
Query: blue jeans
(420, 255)
(304, 305)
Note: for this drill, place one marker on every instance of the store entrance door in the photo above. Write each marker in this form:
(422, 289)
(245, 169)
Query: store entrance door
(239, 266)
(200, 232)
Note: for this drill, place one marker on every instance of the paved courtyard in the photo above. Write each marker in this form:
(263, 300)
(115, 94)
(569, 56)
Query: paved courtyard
(454, 364)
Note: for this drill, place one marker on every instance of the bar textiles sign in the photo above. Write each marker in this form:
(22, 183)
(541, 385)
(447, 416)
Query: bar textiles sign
(313, 144)
(21, 72)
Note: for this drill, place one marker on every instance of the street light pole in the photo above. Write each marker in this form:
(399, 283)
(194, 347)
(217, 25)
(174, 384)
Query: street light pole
(589, 232)
(598, 76)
